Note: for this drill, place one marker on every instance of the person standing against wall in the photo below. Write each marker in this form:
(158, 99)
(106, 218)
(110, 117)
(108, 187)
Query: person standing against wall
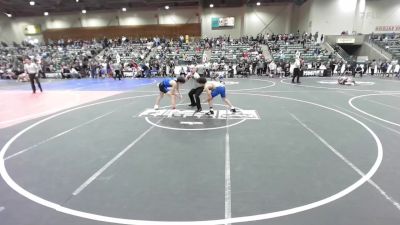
(32, 70)
(367, 65)
(260, 67)
(379, 66)
(332, 65)
(373, 65)
(384, 67)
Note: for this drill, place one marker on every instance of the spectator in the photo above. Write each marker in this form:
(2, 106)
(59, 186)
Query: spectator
(373, 66)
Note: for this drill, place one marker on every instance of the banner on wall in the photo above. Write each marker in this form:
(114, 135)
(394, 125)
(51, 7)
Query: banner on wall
(388, 28)
(346, 40)
(219, 22)
(32, 29)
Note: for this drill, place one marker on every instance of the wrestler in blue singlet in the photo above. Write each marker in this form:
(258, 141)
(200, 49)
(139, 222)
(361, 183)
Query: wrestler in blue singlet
(165, 85)
(218, 90)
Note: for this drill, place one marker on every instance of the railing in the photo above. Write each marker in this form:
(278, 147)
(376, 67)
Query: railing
(329, 46)
(342, 53)
(339, 50)
(386, 52)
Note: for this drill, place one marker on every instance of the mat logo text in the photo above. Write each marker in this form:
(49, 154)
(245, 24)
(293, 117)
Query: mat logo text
(218, 114)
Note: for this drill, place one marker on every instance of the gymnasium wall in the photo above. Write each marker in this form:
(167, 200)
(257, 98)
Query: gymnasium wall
(301, 17)
(132, 32)
(379, 13)
(328, 17)
(209, 13)
(250, 20)
(273, 18)
(14, 27)
(6, 32)
(331, 17)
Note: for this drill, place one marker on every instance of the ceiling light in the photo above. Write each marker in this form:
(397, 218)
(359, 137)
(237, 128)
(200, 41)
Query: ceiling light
(258, 3)
(9, 15)
(84, 11)
(77, 0)
(166, 7)
(46, 13)
(123, 9)
(211, 5)
(32, 3)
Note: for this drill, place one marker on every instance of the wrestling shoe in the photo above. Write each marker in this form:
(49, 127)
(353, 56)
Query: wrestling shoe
(210, 113)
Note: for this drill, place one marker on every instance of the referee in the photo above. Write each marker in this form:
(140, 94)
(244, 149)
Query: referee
(33, 72)
(117, 70)
(196, 90)
(296, 71)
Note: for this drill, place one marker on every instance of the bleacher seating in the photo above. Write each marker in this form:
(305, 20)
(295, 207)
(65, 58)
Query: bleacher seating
(232, 53)
(390, 43)
(286, 51)
(127, 53)
(184, 54)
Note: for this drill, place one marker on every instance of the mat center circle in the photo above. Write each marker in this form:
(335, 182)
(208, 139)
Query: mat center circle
(184, 118)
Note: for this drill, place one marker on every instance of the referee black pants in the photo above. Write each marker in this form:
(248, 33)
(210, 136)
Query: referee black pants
(117, 75)
(195, 93)
(32, 78)
(296, 73)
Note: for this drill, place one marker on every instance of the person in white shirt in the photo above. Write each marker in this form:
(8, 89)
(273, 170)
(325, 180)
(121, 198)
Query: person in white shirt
(272, 68)
(117, 70)
(296, 71)
(298, 54)
(33, 71)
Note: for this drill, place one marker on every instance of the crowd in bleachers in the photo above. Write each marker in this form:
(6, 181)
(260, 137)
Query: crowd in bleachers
(51, 58)
(235, 56)
(286, 47)
(235, 52)
(245, 56)
(389, 42)
(165, 57)
(77, 59)
(378, 68)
